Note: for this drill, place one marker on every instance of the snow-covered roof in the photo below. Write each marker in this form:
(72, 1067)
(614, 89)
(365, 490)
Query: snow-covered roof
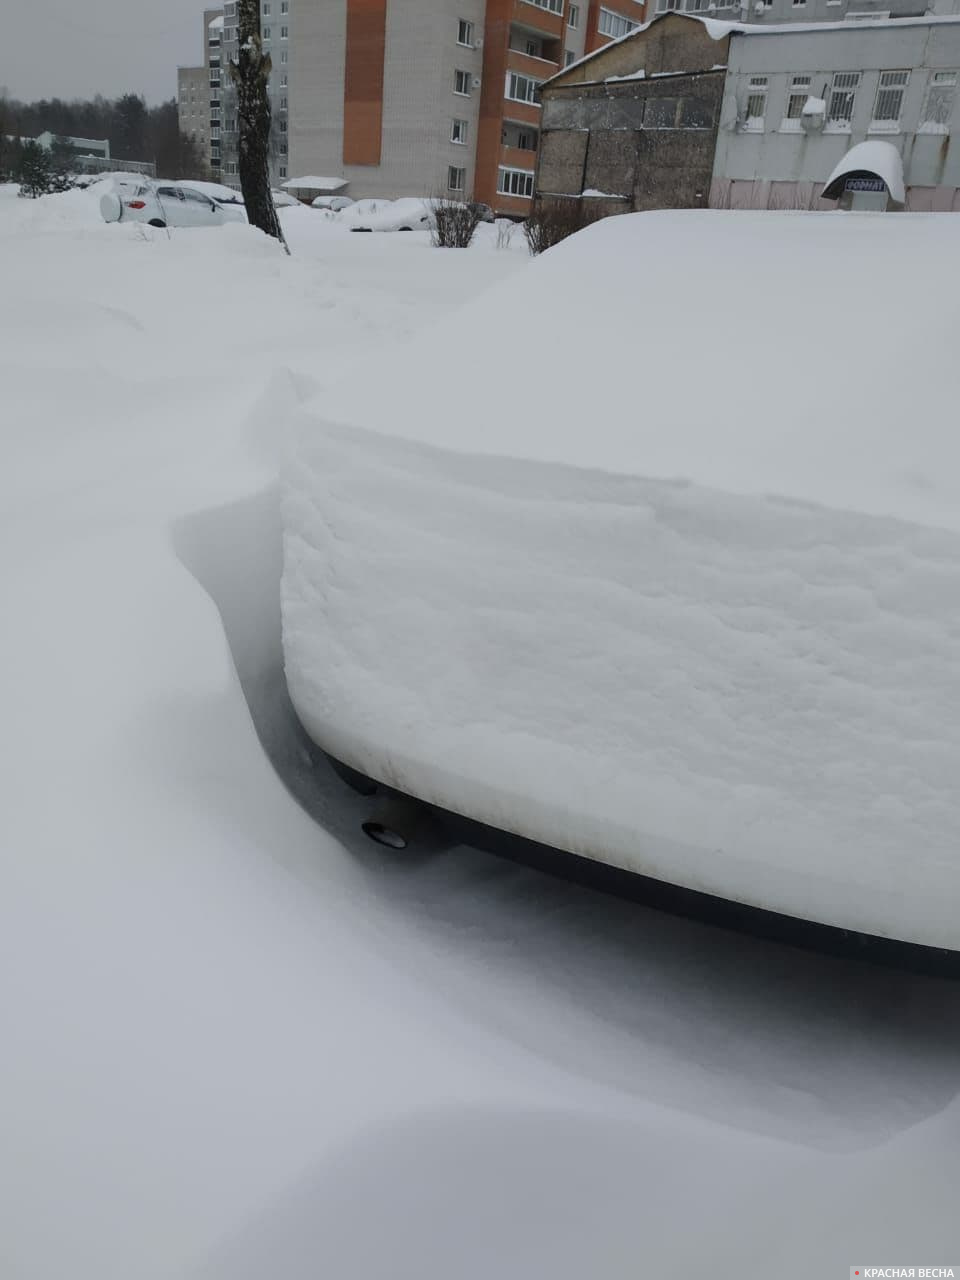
(313, 183)
(719, 29)
(879, 159)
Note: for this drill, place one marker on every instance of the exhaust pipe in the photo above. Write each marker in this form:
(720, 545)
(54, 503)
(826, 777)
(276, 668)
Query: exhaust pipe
(394, 821)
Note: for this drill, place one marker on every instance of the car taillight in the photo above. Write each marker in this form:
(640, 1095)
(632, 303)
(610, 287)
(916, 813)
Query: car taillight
(136, 204)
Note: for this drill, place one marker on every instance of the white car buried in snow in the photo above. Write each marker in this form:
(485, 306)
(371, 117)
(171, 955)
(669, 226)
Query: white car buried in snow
(691, 611)
(408, 214)
(167, 204)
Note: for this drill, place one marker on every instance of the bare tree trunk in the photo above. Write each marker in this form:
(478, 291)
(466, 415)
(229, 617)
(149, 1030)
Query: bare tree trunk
(250, 74)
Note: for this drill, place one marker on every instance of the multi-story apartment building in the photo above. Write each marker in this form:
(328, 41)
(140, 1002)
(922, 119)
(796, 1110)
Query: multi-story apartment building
(435, 96)
(275, 30)
(198, 93)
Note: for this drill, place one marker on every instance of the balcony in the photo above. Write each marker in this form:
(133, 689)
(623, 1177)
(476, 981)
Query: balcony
(522, 112)
(535, 68)
(515, 158)
(540, 20)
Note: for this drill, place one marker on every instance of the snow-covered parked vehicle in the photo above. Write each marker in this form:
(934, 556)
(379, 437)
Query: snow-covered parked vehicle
(335, 204)
(167, 204)
(693, 611)
(407, 214)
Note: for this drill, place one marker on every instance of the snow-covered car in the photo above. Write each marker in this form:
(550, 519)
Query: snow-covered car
(407, 214)
(283, 199)
(167, 204)
(694, 616)
(336, 204)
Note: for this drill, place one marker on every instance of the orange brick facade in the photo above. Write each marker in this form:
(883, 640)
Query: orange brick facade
(363, 81)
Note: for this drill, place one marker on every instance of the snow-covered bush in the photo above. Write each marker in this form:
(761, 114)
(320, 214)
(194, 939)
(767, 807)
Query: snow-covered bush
(454, 223)
(553, 219)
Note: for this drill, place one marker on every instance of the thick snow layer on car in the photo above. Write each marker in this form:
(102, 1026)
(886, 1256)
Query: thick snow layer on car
(239, 1042)
(690, 609)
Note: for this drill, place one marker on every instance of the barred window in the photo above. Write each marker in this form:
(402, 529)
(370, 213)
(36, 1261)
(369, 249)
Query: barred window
(756, 107)
(797, 96)
(843, 93)
(889, 102)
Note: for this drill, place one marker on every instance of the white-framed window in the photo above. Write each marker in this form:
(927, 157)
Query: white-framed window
(266, 8)
(554, 6)
(797, 95)
(231, 166)
(514, 182)
(756, 107)
(284, 33)
(465, 33)
(573, 16)
(614, 24)
(889, 102)
(522, 88)
(458, 132)
(939, 102)
(284, 6)
(266, 33)
(461, 83)
(568, 57)
(532, 48)
(668, 6)
(456, 178)
(214, 131)
(840, 104)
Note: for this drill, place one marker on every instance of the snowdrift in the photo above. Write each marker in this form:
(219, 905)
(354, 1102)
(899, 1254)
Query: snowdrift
(653, 556)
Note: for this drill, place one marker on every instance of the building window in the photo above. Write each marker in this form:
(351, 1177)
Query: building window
(756, 103)
(514, 182)
(283, 171)
(214, 131)
(526, 141)
(667, 6)
(461, 83)
(533, 48)
(889, 101)
(573, 16)
(458, 132)
(283, 104)
(283, 148)
(938, 108)
(797, 95)
(266, 33)
(456, 178)
(283, 58)
(799, 4)
(568, 57)
(522, 88)
(283, 80)
(465, 33)
(614, 24)
(282, 124)
(555, 6)
(266, 8)
(284, 33)
(843, 93)
(284, 6)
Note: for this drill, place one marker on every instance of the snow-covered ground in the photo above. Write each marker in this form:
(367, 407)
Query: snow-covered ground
(237, 1042)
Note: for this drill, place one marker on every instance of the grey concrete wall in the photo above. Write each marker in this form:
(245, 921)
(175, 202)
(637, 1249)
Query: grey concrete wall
(779, 155)
(650, 141)
(419, 103)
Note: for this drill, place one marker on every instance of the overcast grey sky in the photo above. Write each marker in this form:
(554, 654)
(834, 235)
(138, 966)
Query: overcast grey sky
(76, 48)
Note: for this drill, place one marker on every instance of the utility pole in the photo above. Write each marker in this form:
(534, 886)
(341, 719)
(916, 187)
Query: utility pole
(250, 74)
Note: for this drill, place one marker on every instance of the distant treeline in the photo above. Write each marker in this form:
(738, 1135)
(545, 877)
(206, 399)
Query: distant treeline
(134, 130)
